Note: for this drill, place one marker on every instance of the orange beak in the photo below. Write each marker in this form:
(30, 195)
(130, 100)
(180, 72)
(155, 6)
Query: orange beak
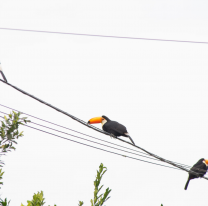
(206, 161)
(95, 120)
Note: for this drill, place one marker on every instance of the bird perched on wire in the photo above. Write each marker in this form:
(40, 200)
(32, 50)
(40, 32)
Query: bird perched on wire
(1, 71)
(200, 168)
(111, 127)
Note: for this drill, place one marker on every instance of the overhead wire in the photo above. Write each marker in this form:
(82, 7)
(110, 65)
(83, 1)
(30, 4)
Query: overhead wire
(82, 134)
(59, 110)
(94, 141)
(99, 130)
(90, 140)
(71, 129)
(105, 149)
(105, 36)
(95, 147)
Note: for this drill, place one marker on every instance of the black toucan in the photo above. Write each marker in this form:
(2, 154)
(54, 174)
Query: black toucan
(111, 127)
(200, 167)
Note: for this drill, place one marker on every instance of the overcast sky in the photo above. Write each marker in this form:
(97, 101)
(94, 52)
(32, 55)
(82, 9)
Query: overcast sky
(158, 90)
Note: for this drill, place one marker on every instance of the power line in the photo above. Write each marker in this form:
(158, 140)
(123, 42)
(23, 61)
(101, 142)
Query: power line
(70, 129)
(83, 134)
(88, 140)
(96, 147)
(105, 36)
(106, 150)
(59, 110)
(99, 130)
(95, 142)
(110, 146)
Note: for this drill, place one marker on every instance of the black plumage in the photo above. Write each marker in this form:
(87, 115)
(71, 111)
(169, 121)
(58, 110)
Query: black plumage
(200, 168)
(115, 128)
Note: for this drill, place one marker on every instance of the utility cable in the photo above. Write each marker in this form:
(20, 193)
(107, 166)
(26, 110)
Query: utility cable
(95, 147)
(104, 149)
(89, 140)
(59, 110)
(70, 129)
(105, 36)
(97, 129)
(107, 145)
(94, 142)
(81, 133)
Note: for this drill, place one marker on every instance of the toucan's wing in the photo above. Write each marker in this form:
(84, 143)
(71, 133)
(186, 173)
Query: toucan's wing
(201, 169)
(119, 128)
(115, 128)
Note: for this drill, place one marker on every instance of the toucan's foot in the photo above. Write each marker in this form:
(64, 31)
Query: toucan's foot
(112, 136)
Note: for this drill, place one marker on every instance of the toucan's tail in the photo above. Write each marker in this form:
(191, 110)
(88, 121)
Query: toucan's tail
(131, 140)
(187, 183)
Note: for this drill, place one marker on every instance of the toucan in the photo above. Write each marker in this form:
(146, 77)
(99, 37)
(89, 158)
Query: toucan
(200, 168)
(111, 127)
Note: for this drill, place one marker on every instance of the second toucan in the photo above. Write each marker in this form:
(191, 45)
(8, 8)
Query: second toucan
(200, 168)
(111, 127)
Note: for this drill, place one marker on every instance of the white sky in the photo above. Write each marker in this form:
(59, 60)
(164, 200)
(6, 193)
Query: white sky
(158, 90)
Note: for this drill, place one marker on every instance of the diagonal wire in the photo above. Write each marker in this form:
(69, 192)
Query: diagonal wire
(105, 36)
(94, 147)
(91, 141)
(101, 131)
(95, 142)
(88, 140)
(69, 129)
(83, 134)
(98, 143)
(101, 148)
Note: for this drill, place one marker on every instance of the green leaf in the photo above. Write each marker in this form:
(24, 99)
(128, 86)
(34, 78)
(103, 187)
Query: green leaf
(100, 199)
(9, 132)
(80, 203)
(9, 136)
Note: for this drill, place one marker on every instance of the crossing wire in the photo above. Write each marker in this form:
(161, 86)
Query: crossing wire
(89, 140)
(95, 147)
(80, 133)
(99, 143)
(104, 149)
(86, 139)
(99, 130)
(105, 36)
(69, 129)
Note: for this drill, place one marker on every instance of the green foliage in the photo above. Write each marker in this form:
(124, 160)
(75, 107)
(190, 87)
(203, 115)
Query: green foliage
(1, 174)
(9, 131)
(4, 202)
(80, 203)
(99, 200)
(38, 200)
(8, 134)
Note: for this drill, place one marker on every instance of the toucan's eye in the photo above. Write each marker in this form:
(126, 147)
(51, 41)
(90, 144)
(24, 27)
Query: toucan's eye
(102, 119)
